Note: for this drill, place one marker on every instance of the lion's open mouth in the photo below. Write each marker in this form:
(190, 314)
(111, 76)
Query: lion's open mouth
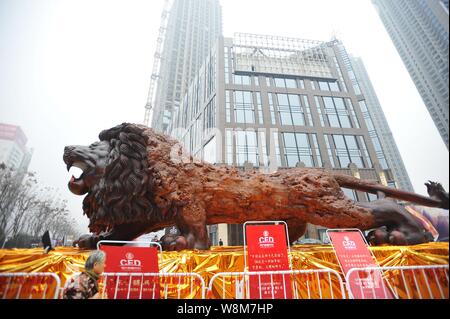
(77, 185)
(80, 166)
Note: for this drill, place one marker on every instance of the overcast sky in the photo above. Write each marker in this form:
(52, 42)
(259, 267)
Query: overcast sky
(69, 69)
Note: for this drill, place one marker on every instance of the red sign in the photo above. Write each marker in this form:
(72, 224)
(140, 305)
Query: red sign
(131, 260)
(352, 252)
(267, 251)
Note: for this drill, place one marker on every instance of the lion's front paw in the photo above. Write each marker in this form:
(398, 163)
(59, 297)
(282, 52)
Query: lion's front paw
(86, 241)
(173, 243)
(399, 237)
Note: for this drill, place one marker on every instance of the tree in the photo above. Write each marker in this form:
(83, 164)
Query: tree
(27, 211)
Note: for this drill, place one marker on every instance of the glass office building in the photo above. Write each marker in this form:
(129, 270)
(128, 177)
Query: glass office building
(269, 103)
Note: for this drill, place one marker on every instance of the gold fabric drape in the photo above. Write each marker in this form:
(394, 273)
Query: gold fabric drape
(65, 261)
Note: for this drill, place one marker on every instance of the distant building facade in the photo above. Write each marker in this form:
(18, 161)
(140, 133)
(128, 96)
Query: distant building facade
(13, 150)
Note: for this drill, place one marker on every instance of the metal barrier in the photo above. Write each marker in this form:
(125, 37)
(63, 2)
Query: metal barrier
(295, 284)
(153, 286)
(29, 286)
(405, 282)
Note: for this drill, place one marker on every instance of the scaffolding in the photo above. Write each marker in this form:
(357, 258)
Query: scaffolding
(155, 77)
(280, 55)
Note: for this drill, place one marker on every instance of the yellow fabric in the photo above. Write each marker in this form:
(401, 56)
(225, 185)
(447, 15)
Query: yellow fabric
(65, 261)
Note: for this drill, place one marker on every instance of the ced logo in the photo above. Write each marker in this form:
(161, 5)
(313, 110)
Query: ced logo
(130, 261)
(266, 241)
(129, 255)
(348, 244)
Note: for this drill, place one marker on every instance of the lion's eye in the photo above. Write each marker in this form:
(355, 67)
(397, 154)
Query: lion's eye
(75, 172)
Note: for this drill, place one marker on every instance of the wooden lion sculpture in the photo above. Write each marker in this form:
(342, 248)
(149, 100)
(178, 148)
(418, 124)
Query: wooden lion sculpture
(134, 186)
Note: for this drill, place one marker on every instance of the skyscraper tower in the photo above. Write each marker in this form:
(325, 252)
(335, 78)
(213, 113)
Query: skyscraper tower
(380, 124)
(192, 29)
(419, 30)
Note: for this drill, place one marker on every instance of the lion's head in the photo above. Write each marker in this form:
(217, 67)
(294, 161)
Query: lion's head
(114, 177)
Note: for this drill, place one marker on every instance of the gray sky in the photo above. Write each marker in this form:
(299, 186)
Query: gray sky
(69, 69)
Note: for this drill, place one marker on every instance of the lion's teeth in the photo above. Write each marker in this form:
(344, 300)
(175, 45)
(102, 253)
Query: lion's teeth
(80, 165)
(76, 171)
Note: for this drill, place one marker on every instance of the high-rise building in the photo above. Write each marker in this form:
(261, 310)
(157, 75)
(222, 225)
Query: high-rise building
(380, 125)
(13, 150)
(269, 103)
(192, 29)
(419, 30)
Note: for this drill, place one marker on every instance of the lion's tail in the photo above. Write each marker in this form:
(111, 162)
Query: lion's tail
(372, 187)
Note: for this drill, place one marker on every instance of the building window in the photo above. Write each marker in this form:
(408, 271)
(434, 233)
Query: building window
(291, 83)
(213, 237)
(256, 80)
(354, 81)
(244, 111)
(392, 184)
(198, 132)
(259, 106)
(228, 106)
(210, 115)
(308, 109)
(242, 79)
(277, 149)
(330, 152)
(316, 150)
(352, 111)
(323, 86)
(229, 146)
(336, 112)
(187, 141)
(290, 110)
(349, 68)
(334, 86)
(263, 148)
(341, 77)
(209, 151)
(246, 148)
(348, 149)
(297, 148)
(226, 66)
(301, 84)
(322, 234)
(373, 135)
(350, 193)
(371, 197)
(211, 75)
(364, 151)
(319, 110)
(285, 83)
(379, 151)
(272, 108)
